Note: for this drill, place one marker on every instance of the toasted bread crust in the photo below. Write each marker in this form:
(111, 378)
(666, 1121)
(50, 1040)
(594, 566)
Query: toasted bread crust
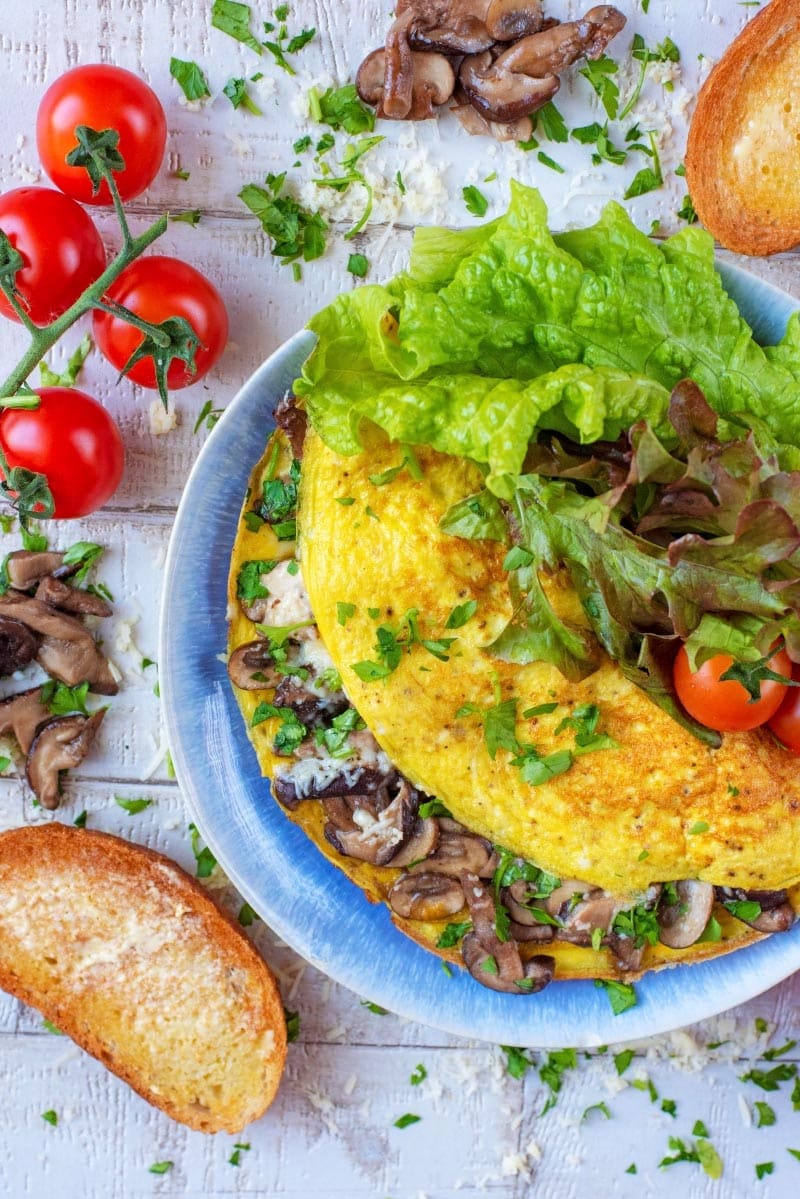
(743, 152)
(126, 953)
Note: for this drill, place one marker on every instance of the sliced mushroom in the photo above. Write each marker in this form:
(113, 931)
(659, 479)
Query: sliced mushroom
(426, 896)
(308, 705)
(58, 745)
(509, 20)
(432, 82)
(500, 94)
(533, 976)
(67, 651)
(683, 922)
(520, 130)
(27, 567)
(399, 67)
(21, 714)
(544, 54)
(457, 852)
(421, 844)
(448, 26)
(290, 417)
(252, 668)
(578, 923)
(776, 915)
(71, 599)
(525, 926)
(372, 828)
(18, 645)
(627, 954)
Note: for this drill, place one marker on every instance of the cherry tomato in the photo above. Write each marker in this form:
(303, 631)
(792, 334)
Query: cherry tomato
(102, 97)
(156, 288)
(61, 249)
(724, 705)
(72, 440)
(785, 724)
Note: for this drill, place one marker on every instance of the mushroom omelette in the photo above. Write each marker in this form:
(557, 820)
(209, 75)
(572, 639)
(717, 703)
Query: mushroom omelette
(460, 597)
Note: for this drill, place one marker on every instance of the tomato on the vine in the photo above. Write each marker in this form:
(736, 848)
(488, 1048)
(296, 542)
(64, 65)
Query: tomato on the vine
(102, 97)
(725, 705)
(156, 288)
(785, 724)
(72, 440)
(61, 250)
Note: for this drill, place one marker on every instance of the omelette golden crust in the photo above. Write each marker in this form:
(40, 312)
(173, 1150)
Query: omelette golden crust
(728, 816)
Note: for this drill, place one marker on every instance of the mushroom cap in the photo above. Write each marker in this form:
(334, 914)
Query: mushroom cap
(448, 26)
(21, 714)
(683, 922)
(18, 645)
(67, 650)
(26, 567)
(477, 125)
(457, 852)
(433, 84)
(251, 666)
(61, 595)
(553, 50)
(421, 844)
(509, 20)
(426, 897)
(58, 745)
(499, 94)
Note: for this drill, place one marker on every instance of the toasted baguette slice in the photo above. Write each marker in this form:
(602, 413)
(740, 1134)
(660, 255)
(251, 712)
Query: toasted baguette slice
(743, 153)
(124, 952)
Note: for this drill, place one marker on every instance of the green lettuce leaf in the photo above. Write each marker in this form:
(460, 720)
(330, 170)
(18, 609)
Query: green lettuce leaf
(465, 350)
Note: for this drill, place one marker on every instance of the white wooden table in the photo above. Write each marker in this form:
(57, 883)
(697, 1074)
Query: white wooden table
(331, 1131)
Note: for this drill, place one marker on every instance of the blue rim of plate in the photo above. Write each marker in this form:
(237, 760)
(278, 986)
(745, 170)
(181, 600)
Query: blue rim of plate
(310, 904)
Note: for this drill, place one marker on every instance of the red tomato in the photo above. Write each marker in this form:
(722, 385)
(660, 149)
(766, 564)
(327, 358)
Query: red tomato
(72, 440)
(156, 288)
(725, 706)
(102, 97)
(785, 724)
(61, 249)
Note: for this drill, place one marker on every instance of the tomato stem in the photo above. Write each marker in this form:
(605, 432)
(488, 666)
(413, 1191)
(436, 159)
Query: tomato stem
(44, 337)
(13, 300)
(124, 314)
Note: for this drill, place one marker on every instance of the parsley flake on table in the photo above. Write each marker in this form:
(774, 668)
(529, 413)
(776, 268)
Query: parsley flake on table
(419, 1075)
(601, 1107)
(234, 19)
(190, 77)
(600, 73)
(239, 1148)
(517, 1061)
(204, 858)
(623, 1059)
(763, 1169)
(475, 201)
(292, 1024)
(358, 265)
(406, 1120)
(770, 1080)
(51, 1117)
(237, 93)
(132, 806)
(160, 1168)
(341, 108)
(296, 232)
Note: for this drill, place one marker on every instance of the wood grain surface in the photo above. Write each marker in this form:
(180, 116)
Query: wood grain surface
(331, 1131)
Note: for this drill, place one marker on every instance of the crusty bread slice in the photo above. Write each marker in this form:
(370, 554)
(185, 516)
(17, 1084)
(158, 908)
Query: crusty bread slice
(124, 952)
(743, 153)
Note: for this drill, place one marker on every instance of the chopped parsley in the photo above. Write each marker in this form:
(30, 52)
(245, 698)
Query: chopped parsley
(743, 909)
(408, 1118)
(234, 19)
(700, 1151)
(237, 93)
(341, 108)
(453, 933)
(357, 265)
(344, 612)
(553, 1071)
(763, 1169)
(281, 44)
(132, 806)
(550, 123)
(239, 1148)
(770, 1080)
(584, 721)
(51, 1117)
(292, 1024)
(336, 739)
(247, 915)
(295, 232)
(547, 161)
(621, 996)
(62, 700)
(419, 1075)
(687, 211)
(207, 416)
(601, 1107)
(80, 819)
(249, 586)
(600, 74)
(375, 1008)
(160, 1168)
(623, 1059)
(84, 555)
(517, 1061)
(475, 201)
(190, 76)
(648, 179)
(204, 858)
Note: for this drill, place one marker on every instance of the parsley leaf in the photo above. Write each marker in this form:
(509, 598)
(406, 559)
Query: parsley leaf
(517, 1061)
(621, 996)
(461, 614)
(296, 232)
(453, 933)
(236, 91)
(475, 201)
(249, 586)
(357, 265)
(341, 108)
(234, 19)
(132, 806)
(190, 77)
(600, 74)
